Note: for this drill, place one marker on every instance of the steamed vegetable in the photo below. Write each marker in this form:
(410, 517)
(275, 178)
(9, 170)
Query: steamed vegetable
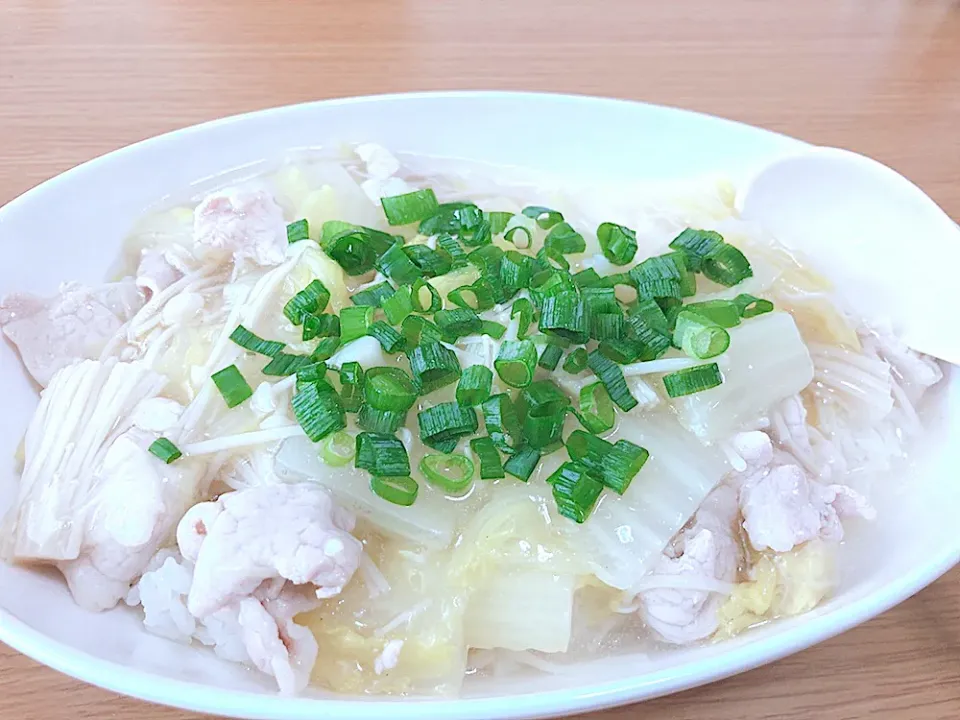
(767, 362)
(625, 534)
(426, 521)
(526, 610)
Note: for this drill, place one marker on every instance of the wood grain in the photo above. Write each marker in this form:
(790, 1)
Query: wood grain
(82, 77)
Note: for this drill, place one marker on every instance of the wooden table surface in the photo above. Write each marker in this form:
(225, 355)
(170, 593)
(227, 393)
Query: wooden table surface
(81, 77)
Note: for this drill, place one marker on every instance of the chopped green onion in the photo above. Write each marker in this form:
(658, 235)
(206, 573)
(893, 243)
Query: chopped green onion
(231, 385)
(545, 217)
(165, 450)
(490, 464)
(351, 386)
(354, 322)
(588, 278)
(441, 426)
(390, 340)
(458, 218)
(451, 473)
(431, 263)
(598, 300)
(450, 245)
(298, 230)
(284, 364)
(564, 240)
(749, 306)
(325, 349)
(356, 249)
(523, 308)
(398, 306)
(389, 388)
(381, 455)
(329, 325)
(523, 242)
(623, 351)
(548, 282)
(564, 314)
(433, 366)
(607, 326)
(659, 267)
(544, 433)
(478, 297)
(576, 362)
(500, 420)
(617, 279)
(312, 373)
(688, 280)
(596, 408)
(318, 409)
(604, 315)
(446, 446)
(671, 313)
(727, 266)
(338, 449)
(699, 337)
(550, 357)
(648, 314)
(493, 329)
(614, 465)
(659, 276)
(619, 243)
(541, 399)
(692, 380)
(574, 491)
(487, 260)
(648, 336)
(397, 266)
(481, 236)
(498, 221)
(611, 376)
(416, 329)
(560, 342)
(552, 259)
(250, 341)
(516, 362)
(722, 312)
(400, 491)
(697, 245)
(420, 302)
(457, 323)
(628, 459)
(372, 296)
(332, 228)
(590, 451)
(409, 208)
(670, 306)
(312, 299)
(474, 386)
(522, 463)
(380, 421)
(541, 409)
(315, 326)
(515, 272)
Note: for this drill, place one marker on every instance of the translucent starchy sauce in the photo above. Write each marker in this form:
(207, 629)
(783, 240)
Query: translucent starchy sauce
(378, 426)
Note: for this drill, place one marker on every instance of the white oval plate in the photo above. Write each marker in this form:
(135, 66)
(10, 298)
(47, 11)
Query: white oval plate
(71, 228)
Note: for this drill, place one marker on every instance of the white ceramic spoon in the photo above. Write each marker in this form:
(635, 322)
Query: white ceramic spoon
(892, 251)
